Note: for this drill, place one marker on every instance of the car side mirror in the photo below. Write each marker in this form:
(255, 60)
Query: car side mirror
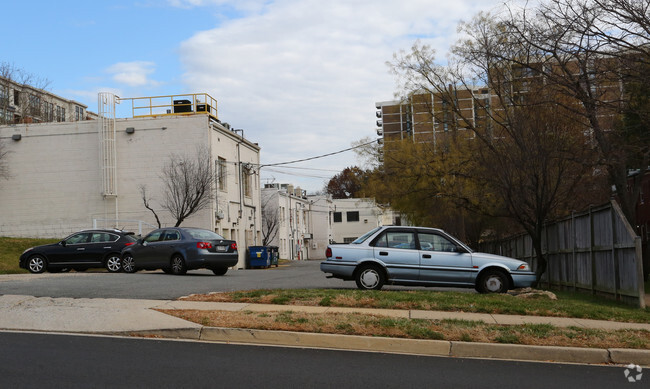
(62, 243)
(139, 241)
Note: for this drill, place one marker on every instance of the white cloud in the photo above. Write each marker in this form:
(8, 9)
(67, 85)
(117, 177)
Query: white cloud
(302, 76)
(133, 74)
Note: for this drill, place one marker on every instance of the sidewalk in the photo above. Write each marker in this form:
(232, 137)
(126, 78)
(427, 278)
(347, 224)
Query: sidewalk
(139, 318)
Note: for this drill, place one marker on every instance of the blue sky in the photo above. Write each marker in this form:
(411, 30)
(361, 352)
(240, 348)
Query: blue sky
(301, 77)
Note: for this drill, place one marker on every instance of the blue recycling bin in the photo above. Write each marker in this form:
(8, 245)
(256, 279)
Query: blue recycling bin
(275, 255)
(259, 256)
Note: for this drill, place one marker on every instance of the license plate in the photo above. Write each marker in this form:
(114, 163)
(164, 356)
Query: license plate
(222, 248)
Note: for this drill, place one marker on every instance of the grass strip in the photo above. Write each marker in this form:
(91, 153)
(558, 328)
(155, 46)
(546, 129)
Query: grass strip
(574, 305)
(451, 330)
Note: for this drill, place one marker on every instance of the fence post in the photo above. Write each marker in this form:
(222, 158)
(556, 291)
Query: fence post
(592, 254)
(617, 277)
(639, 271)
(574, 239)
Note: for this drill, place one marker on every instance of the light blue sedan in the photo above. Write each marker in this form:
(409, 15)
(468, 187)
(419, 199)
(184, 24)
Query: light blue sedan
(423, 257)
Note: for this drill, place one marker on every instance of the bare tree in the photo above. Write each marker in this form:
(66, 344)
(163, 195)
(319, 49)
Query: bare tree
(22, 95)
(147, 203)
(4, 167)
(517, 144)
(270, 218)
(188, 182)
(597, 53)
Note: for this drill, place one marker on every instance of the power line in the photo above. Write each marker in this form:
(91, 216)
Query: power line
(319, 156)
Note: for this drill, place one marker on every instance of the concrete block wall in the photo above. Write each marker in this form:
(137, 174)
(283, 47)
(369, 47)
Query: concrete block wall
(55, 183)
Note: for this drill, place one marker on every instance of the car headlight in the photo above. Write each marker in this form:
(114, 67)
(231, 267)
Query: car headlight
(523, 267)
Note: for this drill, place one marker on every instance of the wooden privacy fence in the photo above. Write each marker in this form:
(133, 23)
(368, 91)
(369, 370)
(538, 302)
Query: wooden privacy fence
(596, 251)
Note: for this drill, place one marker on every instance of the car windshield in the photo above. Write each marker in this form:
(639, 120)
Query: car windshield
(197, 233)
(365, 236)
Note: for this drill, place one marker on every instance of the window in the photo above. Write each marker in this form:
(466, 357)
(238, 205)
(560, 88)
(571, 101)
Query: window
(221, 173)
(434, 242)
(337, 217)
(172, 235)
(49, 112)
(78, 113)
(34, 105)
(60, 114)
(396, 240)
(248, 179)
(77, 238)
(16, 97)
(154, 236)
(352, 216)
(4, 95)
(99, 237)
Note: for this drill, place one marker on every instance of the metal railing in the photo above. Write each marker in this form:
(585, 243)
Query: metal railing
(173, 105)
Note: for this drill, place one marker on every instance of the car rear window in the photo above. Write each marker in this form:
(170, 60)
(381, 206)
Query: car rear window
(203, 234)
(365, 236)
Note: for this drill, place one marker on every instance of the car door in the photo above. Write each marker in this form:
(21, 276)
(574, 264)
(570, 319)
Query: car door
(442, 260)
(71, 250)
(101, 243)
(147, 253)
(397, 249)
(166, 247)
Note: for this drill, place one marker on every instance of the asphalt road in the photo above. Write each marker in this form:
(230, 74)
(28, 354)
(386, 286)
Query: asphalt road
(158, 285)
(67, 361)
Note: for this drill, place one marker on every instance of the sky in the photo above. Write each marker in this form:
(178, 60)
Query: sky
(300, 77)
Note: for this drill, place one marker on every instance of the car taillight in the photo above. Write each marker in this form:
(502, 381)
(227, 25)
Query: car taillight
(204, 245)
(328, 253)
(129, 244)
(233, 246)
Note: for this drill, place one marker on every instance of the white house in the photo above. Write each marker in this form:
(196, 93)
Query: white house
(352, 218)
(287, 220)
(67, 176)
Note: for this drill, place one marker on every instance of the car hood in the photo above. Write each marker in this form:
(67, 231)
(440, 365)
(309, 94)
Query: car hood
(510, 262)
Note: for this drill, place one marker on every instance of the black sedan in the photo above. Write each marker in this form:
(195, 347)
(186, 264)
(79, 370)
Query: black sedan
(176, 250)
(79, 251)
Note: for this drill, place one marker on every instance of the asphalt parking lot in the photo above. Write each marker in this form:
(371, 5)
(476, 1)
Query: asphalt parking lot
(160, 286)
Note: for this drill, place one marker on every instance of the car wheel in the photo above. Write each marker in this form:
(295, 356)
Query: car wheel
(128, 264)
(492, 281)
(219, 271)
(178, 265)
(113, 263)
(36, 264)
(369, 277)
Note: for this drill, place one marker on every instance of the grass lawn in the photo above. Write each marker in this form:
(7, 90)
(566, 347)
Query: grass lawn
(567, 305)
(10, 250)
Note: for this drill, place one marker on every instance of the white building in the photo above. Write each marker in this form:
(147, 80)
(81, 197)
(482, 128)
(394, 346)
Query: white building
(286, 220)
(21, 103)
(352, 218)
(67, 176)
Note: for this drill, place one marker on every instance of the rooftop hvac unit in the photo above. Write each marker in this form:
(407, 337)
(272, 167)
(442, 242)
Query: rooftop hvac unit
(380, 132)
(380, 141)
(378, 105)
(378, 114)
(181, 106)
(202, 108)
(379, 123)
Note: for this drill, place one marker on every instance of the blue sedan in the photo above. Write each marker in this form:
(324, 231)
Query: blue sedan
(423, 257)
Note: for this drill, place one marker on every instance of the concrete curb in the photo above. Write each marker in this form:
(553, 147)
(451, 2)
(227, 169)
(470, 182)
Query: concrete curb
(407, 346)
